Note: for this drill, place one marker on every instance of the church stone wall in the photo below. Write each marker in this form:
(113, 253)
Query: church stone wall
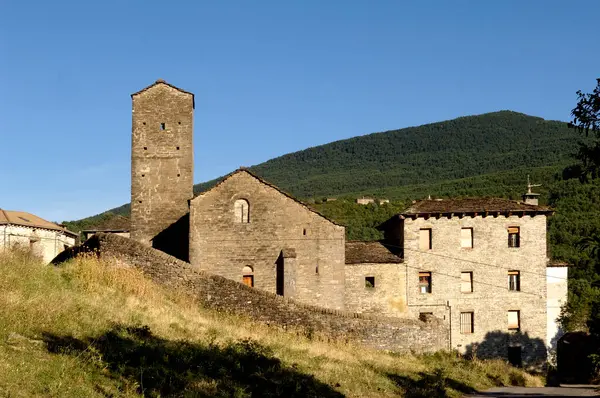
(277, 224)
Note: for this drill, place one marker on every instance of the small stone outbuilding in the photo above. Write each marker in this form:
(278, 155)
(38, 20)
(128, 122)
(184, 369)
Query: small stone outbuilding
(25, 230)
(375, 279)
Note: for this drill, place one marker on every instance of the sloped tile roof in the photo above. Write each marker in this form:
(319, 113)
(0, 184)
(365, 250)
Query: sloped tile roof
(472, 205)
(370, 252)
(28, 220)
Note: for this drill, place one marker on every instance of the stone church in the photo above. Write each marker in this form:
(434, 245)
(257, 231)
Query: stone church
(478, 264)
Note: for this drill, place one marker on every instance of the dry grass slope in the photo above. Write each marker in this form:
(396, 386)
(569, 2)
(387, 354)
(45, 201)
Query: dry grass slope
(96, 329)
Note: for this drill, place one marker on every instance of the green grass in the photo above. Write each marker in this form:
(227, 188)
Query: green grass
(99, 329)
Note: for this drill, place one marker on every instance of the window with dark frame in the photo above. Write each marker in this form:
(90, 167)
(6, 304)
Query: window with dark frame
(425, 239)
(514, 320)
(466, 282)
(466, 322)
(425, 282)
(466, 238)
(162, 127)
(248, 276)
(514, 281)
(369, 282)
(514, 237)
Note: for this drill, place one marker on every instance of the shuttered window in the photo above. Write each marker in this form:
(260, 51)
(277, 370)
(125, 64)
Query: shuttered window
(425, 239)
(466, 322)
(466, 237)
(466, 282)
(514, 319)
(514, 237)
(514, 281)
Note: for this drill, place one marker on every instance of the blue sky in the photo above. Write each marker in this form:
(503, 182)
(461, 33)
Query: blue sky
(270, 77)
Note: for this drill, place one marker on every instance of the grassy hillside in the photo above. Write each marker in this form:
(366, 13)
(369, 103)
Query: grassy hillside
(92, 329)
(484, 155)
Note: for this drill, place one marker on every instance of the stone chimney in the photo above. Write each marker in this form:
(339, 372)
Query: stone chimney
(531, 198)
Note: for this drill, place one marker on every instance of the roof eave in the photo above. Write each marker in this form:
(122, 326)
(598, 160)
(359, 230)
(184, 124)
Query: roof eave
(485, 213)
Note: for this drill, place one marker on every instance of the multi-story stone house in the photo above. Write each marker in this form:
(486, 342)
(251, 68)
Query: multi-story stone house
(478, 264)
(43, 238)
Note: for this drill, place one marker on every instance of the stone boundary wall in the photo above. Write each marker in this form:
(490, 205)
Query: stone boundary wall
(225, 295)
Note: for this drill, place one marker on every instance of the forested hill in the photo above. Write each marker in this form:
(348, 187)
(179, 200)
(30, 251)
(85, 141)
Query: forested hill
(459, 148)
(489, 154)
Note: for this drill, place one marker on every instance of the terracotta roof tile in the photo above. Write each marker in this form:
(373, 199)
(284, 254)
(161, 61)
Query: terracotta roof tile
(28, 220)
(370, 252)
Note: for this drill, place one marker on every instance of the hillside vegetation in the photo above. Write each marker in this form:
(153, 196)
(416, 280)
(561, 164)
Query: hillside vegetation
(483, 155)
(93, 329)
(449, 150)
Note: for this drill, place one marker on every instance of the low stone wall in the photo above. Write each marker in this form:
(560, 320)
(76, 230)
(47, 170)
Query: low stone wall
(221, 294)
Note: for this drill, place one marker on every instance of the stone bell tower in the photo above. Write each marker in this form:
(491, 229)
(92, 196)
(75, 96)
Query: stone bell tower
(162, 159)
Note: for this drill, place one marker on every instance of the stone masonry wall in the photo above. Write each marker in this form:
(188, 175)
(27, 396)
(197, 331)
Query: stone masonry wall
(161, 159)
(222, 294)
(387, 297)
(277, 223)
(489, 260)
(44, 243)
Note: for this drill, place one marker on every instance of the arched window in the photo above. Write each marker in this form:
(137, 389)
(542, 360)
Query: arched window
(241, 210)
(248, 276)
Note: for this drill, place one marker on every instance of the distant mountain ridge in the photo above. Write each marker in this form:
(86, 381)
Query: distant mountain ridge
(502, 147)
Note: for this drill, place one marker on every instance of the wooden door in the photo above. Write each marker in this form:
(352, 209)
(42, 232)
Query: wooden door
(249, 280)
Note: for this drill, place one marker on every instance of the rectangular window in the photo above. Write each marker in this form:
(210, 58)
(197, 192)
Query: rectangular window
(425, 316)
(514, 281)
(369, 282)
(466, 237)
(514, 237)
(425, 282)
(466, 322)
(425, 239)
(514, 320)
(466, 282)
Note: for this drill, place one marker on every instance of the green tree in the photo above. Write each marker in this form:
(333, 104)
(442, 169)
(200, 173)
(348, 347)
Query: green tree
(586, 119)
(591, 245)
